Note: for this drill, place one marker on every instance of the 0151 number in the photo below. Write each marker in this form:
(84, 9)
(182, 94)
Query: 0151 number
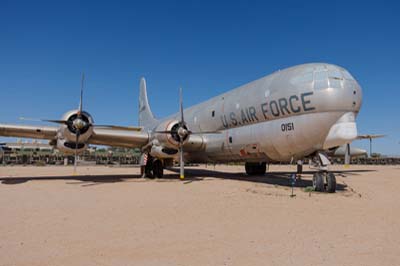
(287, 127)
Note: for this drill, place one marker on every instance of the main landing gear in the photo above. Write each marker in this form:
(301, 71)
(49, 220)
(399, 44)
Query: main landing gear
(256, 168)
(299, 168)
(153, 168)
(323, 180)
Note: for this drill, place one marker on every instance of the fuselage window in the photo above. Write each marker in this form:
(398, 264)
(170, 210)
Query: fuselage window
(230, 139)
(213, 113)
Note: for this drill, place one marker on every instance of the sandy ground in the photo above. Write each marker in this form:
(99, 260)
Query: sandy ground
(110, 216)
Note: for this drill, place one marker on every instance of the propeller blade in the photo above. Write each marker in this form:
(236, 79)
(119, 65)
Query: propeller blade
(347, 154)
(65, 122)
(181, 163)
(81, 98)
(204, 132)
(76, 152)
(181, 106)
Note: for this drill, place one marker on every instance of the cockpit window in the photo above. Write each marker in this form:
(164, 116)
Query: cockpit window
(320, 75)
(320, 80)
(335, 78)
(335, 73)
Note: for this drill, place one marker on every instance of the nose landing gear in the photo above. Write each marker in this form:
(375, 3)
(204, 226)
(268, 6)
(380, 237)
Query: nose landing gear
(330, 182)
(323, 180)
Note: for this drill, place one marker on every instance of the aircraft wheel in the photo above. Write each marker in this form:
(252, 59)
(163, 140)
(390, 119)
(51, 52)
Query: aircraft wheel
(256, 168)
(158, 169)
(318, 182)
(299, 169)
(148, 169)
(261, 168)
(249, 167)
(331, 183)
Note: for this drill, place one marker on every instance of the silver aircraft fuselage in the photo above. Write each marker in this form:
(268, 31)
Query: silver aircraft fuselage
(281, 117)
(285, 116)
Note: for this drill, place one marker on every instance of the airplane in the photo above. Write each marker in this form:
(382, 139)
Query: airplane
(341, 152)
(370, 137)
(291, 114)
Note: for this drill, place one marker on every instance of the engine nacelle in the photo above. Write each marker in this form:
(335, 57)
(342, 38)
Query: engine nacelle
(68, 132)
(171, 139)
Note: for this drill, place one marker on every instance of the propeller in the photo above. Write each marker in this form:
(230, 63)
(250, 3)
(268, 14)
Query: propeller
(78, 124)
(183, 132)
(70, 123)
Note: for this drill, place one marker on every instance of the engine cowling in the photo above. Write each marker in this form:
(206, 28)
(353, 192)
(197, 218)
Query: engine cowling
(163, 152)
(85, 122)
(174, 135)
(68, 147)
(67, 134)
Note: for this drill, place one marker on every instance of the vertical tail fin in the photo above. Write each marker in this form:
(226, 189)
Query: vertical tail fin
(146, 117)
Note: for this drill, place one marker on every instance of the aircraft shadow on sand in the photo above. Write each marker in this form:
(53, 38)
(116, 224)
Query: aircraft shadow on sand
(273, 178)
(79, 179)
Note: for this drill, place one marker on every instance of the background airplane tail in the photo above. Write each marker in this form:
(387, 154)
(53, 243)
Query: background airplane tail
(146, 117)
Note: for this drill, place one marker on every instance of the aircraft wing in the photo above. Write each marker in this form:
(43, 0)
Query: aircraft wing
(118, 137)
(368, 136)
(24, 131)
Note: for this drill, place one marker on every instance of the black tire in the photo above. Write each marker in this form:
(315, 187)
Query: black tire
(318, 182)
(256, 168)
(148, 169)
(158, 169)
(249, 168)
(261, 168)
(331, 183)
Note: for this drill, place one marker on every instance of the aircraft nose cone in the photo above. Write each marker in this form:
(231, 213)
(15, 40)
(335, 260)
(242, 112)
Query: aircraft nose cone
(357, 97)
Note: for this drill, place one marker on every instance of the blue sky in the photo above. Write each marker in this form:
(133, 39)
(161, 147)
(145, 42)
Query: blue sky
(207, 47)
